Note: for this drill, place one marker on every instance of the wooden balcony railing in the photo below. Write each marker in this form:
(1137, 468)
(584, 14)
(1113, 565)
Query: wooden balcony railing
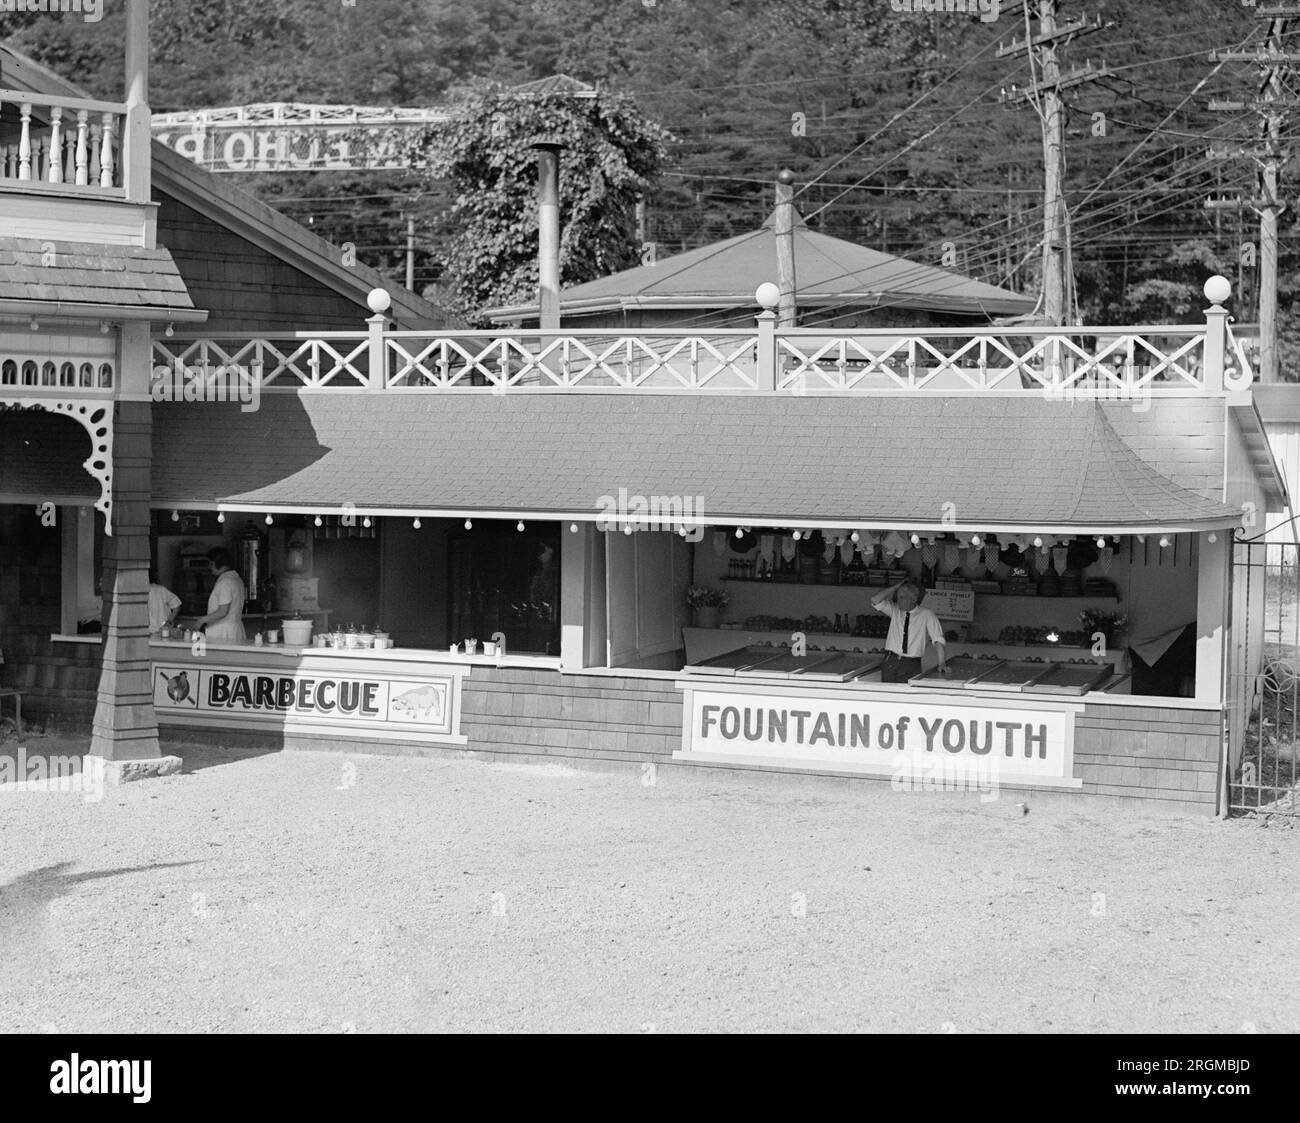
(1085, 361)
(48, 141)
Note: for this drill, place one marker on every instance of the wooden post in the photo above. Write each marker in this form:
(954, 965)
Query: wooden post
(788, 313)
(136, 133)
(125, 727)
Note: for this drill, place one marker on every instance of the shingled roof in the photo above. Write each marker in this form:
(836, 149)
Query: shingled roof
(108, 278)
(829, 272)
(1003, 461)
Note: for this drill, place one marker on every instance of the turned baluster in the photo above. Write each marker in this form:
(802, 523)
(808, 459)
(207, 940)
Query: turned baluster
(25, 143)
(54, 168)
(106, 152)
(82, 158)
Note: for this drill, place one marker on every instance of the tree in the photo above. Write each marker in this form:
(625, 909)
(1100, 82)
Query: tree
(612, 155)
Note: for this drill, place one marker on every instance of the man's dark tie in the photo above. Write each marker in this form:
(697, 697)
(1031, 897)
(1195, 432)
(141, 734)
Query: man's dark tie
(907, 620)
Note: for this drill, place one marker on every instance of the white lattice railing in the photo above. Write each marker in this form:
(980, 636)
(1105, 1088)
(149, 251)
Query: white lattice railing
(47, 140)
(1122, 360)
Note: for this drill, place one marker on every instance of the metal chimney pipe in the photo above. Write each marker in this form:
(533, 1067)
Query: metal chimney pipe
(548, 234)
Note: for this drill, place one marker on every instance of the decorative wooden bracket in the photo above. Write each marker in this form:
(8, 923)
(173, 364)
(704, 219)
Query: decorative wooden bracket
(96, 417)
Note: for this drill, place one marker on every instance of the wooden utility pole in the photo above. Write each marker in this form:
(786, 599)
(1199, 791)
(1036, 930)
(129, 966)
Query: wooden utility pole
(1273, 107)
(787, 311)
(1045, 94)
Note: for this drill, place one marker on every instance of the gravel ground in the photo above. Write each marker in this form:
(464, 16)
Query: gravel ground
(321, 892)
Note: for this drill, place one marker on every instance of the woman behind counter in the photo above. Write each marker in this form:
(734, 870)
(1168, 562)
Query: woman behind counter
(225, 618)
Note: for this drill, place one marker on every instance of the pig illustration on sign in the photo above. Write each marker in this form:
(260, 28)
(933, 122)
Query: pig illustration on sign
(424, 703)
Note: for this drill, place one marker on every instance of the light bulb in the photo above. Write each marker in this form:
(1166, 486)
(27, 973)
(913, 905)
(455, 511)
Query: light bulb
(318, 521)
(176, 516)
(469, 524)
(171, 329)
(916, 539)
(1164, 541)
(627, 528)
(796, 536)
(269, 520)
(1213, 537)
(416, 523)
(975, 540)
(519, 526)
(221, 516)
(682, 530)
(366, 521)
(740, 533)
(854, 537)
(1038, 542)
(573, 528)
(1101, 542)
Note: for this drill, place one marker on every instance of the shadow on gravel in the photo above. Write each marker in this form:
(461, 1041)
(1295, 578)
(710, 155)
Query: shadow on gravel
(196, 758)
(23, 900)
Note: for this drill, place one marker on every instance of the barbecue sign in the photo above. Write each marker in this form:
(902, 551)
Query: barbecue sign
(885, 736)
(329, 700)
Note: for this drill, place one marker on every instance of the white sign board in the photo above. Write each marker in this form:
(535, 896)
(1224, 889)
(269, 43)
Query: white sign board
(951, 604)
(328, 702)
(888, 735)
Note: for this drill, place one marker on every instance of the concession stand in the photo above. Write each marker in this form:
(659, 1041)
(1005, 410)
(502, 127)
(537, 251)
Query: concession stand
(492, 544)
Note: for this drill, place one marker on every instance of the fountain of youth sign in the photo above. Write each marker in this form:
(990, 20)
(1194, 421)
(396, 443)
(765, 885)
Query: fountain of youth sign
(882, 735)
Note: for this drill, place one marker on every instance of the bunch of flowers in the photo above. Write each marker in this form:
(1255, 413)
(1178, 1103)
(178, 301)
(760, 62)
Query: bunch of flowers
(1099, 620)
(701, 596)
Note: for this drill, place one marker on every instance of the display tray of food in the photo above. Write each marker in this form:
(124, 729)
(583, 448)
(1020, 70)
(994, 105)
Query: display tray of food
(842, 666)
(961, 668)
(1071, 678)
(785, 663)
(729, 662)
(1010, 674)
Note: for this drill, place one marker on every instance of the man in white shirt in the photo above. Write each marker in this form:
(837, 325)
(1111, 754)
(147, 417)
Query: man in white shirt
(911, 628)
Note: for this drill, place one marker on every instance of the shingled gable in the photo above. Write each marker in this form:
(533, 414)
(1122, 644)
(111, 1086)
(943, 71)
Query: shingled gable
(1005, 462)
(829, 271)
(246, 216)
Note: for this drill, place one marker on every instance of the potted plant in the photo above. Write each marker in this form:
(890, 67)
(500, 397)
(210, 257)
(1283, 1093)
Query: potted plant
(1096, 620)
(705, 604)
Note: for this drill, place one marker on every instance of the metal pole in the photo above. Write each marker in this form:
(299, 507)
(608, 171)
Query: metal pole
(787, 310)
(410, 253)
(548, 235)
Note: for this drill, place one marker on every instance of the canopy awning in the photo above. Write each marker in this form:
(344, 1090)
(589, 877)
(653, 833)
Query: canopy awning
(918, 462)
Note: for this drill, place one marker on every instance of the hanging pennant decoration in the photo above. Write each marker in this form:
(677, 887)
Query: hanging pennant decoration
(972, 558)
(828, 554)
(846, 552)
(789, 547)
(767, 547)
(929, 554)
(1059, 556)
(991, 554)
(1106, 557)
(719, 543)
(951, 555)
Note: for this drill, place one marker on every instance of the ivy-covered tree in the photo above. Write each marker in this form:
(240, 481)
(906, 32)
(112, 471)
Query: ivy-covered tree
(611, 156)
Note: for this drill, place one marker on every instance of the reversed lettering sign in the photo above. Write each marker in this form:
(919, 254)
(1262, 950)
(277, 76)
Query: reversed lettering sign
(951, 604)
(883, 736)
(325, 699)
